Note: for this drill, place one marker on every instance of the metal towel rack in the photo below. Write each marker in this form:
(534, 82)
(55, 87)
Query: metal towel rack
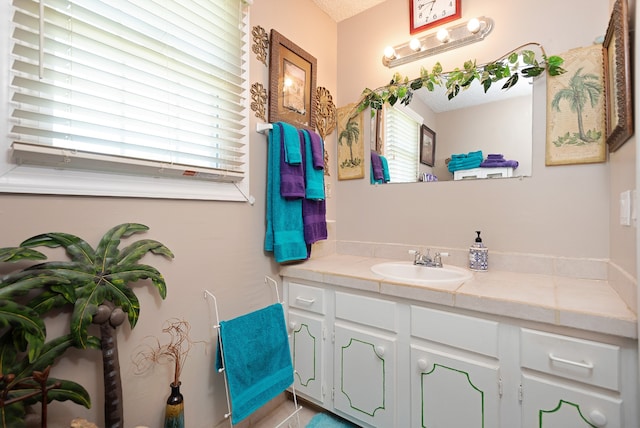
(207, 294)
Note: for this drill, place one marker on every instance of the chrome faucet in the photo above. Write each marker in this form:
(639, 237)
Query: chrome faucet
(426, 260)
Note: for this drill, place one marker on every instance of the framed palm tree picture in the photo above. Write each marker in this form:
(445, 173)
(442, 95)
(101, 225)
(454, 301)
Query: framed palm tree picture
(350, 143)
(576, 110)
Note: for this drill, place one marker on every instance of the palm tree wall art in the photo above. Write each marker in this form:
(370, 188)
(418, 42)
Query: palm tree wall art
(350, 143)
(575, 110)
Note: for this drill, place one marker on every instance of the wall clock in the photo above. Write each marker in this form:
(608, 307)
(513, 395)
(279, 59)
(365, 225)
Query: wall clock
(429, 13)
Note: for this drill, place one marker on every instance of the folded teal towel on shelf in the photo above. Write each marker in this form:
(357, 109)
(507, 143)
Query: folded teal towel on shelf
(256, 358)
(465, 161)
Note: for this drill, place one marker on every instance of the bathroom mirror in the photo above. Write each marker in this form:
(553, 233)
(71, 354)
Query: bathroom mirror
(496, 122)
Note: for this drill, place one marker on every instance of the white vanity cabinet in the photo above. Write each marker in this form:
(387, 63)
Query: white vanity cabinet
(569, 382)
(364, 379)
(455, 371)
(307, 339)
(386, 361)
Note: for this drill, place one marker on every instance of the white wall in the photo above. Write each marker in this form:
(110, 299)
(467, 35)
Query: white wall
(218, 246)
(561, 210)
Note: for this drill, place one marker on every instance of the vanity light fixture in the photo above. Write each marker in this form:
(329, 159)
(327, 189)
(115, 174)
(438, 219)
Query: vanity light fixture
(445, 39)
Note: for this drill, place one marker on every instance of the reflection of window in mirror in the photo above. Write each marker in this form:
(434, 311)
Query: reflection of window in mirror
(399, 129)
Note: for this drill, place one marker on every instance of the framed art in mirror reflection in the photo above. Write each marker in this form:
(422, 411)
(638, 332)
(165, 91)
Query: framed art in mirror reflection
(427, 146)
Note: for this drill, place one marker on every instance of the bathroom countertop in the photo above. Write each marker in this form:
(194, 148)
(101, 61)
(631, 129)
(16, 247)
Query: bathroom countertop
(590, 305)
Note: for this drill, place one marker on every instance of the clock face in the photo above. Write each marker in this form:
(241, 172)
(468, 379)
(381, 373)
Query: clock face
(429, 13)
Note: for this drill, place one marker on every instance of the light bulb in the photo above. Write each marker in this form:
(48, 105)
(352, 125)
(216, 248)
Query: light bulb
(415, 44)
(473, 25)
(389, 52)
(443, 35)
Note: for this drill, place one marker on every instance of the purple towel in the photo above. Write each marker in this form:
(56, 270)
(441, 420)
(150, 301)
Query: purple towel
(317, 150)
(313, 209)
(499, 164)
(376, 164)
(495, 156)
(314, 220)
(291, 175)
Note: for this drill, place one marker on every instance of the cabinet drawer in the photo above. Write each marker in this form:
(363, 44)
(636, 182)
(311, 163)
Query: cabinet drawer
(577, 359)
(367, 311)
(307, 298)
(460, 331)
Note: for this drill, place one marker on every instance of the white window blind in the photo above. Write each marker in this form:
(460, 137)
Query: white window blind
(402, 136)
(143, 87)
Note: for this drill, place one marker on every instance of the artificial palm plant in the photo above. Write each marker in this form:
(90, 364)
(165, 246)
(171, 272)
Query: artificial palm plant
(25, 355)
(95, 284)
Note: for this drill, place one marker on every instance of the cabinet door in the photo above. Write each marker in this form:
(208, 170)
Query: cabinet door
(364, 375)
(307, 340)
(550, 404)
(450, 391)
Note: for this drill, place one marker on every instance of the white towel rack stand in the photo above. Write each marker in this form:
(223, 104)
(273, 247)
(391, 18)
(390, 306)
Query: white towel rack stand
(207, 294)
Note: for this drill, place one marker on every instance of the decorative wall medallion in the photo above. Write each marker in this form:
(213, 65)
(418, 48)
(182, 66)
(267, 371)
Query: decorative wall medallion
(325, 118)
(259, 100)
(260, 43)
(325, 112)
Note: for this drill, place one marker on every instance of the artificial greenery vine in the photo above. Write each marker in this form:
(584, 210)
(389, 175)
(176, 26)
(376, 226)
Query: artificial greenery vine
(506, 67)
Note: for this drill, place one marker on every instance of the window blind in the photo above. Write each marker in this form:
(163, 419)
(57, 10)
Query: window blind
(142, 86)
(402, 136)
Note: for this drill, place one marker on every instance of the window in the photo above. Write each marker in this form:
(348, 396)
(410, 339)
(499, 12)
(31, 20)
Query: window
(402, 141)
(127, 98)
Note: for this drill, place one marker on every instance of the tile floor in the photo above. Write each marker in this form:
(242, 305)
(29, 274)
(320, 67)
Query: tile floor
(275, 412)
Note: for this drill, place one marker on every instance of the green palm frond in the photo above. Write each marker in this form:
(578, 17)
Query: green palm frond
(134, 252)
(27, 328)
(77, 249)
(64, 390)
(14, 254)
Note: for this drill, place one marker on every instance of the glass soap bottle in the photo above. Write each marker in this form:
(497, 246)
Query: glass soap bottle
(478, 255)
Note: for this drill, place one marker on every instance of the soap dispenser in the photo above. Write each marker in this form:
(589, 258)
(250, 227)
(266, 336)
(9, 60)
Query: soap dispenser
(478, 255)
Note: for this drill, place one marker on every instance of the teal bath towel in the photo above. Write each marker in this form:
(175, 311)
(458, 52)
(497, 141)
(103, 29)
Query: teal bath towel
(257, 359)
(285, 230)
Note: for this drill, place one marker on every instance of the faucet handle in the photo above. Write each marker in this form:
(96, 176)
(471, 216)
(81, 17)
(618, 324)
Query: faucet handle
(437, 259)
(417, 256)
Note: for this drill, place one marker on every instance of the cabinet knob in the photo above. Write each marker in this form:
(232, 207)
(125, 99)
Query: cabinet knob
(422, 364)
(380, 350)
(598, 418)
(293, 325)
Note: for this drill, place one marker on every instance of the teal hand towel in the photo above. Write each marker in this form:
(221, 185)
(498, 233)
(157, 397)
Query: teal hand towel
(385, 169)
(314, 177)
(292, 146)
(257, 359)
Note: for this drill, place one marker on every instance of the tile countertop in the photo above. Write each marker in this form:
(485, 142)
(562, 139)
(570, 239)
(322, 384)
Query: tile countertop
(584, 304)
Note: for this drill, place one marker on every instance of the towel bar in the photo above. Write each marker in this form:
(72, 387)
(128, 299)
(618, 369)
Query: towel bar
(262, 128)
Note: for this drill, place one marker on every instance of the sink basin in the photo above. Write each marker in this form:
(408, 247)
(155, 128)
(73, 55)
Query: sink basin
(435, 276)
